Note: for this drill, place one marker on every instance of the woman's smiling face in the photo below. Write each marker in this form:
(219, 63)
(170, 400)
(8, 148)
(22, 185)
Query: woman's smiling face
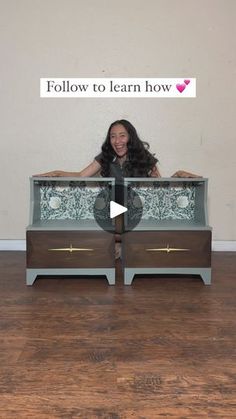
(119, 138)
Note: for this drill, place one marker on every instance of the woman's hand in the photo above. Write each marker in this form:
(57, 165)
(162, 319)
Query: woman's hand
(91, 170)
(55, 173)
(182, 173)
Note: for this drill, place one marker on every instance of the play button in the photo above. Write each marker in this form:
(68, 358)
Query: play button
(116, 209)
(106, 209)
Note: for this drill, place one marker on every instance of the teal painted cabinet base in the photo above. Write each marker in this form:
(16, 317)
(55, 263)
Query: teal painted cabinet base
(31, 274)
(129, 273)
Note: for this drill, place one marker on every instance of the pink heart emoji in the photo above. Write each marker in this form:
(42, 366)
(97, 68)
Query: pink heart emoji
(180, 87)
(187, 81)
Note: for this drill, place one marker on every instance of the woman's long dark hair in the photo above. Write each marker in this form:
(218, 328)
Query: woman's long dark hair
(140, 161)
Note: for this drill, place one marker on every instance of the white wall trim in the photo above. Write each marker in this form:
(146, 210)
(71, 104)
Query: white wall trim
(12, 245)
(217, 246)
(224, 246)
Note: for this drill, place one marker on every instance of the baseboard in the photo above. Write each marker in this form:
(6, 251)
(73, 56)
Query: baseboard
(224, 246)
(217, 245)
(12, 245)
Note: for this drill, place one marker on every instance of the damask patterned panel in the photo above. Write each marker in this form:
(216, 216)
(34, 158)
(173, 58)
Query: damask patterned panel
(163, 202)
(73, 200)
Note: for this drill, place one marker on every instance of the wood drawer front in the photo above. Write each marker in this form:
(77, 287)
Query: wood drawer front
(173, 249)
(43, 249)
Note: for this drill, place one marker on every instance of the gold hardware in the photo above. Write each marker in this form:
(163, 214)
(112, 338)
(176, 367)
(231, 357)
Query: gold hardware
(167, 249)
(70, 249)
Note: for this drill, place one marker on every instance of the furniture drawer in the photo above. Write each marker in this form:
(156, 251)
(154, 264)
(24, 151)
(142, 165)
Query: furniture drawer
(70, 249)
(167, 249)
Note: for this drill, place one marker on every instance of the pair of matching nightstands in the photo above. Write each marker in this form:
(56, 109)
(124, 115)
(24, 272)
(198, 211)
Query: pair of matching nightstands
(171, 235)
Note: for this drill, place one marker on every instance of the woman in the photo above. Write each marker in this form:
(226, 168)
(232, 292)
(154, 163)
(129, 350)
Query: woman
(123, 155)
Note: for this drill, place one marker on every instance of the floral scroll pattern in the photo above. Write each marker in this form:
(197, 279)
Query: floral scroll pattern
(73, 200)
(163, 202)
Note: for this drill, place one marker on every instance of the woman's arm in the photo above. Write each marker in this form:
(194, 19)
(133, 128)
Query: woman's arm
(91, 170)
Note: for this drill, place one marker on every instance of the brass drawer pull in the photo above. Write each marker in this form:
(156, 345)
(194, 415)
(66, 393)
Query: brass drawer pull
(167, 249)
(71, 249)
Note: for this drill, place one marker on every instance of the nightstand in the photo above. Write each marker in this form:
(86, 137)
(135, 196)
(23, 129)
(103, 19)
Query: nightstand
(173, 235)
(63, 237)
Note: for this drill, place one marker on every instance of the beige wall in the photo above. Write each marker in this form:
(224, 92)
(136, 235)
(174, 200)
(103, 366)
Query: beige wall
(125, 38)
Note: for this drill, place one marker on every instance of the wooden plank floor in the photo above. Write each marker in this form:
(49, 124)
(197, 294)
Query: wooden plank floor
(79, 348)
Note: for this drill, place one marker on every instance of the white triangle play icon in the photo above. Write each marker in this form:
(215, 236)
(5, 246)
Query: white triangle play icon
(116, 209)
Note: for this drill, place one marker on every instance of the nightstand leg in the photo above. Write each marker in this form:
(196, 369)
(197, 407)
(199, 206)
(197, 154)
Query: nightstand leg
(206, 276)
(31, 275)
(128, 276)
(111, 276)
